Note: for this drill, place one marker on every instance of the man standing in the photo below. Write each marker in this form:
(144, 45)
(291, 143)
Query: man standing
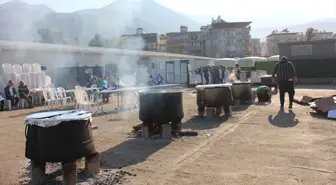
(206, 74)
(286, 78)
(237, 71)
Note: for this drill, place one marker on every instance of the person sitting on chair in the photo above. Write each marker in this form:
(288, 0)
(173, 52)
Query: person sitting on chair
(2, 102)
(24, 93)
(264, 94)
(10, 93)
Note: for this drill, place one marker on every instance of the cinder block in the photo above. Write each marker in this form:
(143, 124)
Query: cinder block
(69, 173)
(145, 132)
(166, 130)
(92, 164)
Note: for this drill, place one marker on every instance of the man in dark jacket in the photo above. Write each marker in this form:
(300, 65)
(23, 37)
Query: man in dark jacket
(25, 93)
(206, 74)
(214, 75)
(11, 94)
(284, 74)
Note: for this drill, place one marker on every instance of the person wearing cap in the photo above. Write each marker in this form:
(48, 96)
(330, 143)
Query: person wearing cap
(284, 74)
(11, 94)
(24, 93)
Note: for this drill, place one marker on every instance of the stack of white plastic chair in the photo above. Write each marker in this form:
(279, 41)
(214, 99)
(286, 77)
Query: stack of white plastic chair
(32, 80)
(17, 68)
(47, 80)
(24, 77)
(27, 68)
(2, 85)
(36, 68)
(37, 80)
(40, 79)
(8, 68)
(15, 78)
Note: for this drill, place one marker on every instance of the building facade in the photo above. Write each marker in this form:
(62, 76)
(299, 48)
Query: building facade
(273, 40)
(142, 41)
(220, 39)
(256, 47)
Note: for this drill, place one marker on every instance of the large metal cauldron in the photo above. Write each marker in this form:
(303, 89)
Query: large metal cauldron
(242, 91)
(161, 106)
(216, 95)
(59, 136)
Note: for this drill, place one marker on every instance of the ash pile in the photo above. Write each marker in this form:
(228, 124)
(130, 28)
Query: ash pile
(324, 106)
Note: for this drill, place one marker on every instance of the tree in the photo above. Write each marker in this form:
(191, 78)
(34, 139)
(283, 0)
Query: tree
(48, 35)
(310, 33)
(97, 41)
(285, 30)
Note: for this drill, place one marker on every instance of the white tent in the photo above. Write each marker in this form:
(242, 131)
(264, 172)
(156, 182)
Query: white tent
(250, 61)
(274, 58)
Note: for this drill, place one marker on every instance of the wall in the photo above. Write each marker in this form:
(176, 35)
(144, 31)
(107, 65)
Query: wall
(320, 50)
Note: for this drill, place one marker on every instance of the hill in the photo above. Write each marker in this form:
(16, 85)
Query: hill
(119, 17)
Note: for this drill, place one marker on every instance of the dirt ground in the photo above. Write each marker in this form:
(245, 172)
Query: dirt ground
(259, 145)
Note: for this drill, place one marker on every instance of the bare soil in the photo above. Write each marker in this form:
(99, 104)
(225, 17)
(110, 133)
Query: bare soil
(259, 145)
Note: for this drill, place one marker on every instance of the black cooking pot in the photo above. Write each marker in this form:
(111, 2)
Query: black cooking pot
(214, 95)
(267, 80)
(242, 91)
(161, 106)
(67, 141)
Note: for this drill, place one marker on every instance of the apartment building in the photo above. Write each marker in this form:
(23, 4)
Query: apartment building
(273, 40)
(256, 47)
(220, 39)
(142, 40)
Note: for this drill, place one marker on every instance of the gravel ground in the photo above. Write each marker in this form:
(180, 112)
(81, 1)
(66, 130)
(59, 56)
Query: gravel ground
(105, 177)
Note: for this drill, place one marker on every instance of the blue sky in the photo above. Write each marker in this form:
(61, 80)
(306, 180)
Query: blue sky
(267, 12)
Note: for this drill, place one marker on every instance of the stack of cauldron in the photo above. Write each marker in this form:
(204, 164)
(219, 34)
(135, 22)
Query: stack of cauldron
(218, 96)
(242, 91)
(59, 136)
(160, 107)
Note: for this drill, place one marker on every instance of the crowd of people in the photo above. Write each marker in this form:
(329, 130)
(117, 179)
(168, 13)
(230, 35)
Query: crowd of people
(219, 74)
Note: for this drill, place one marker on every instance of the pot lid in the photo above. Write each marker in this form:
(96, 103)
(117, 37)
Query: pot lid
(213, 86)
(53, 118)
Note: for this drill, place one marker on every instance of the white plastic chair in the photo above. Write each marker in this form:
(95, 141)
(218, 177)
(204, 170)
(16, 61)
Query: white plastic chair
(36, 68)
(8, 68)
(50, 98)
(27, 68)
(62, 95)
(82, 100)
(17, 68)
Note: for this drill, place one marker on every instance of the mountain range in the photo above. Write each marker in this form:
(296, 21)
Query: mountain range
(20, 21)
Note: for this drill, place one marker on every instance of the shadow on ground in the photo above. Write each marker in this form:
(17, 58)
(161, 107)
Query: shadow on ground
(131, 152)
(204, 123)
(283, 120)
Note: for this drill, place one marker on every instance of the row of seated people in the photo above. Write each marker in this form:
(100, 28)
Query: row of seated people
(15, 95)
